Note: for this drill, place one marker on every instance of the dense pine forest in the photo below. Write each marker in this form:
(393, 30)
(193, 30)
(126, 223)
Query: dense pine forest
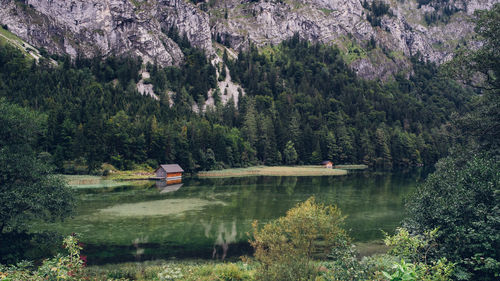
(302, 105)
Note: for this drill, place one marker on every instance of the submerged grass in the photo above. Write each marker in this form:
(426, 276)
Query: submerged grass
(274, 171)
(157, 207)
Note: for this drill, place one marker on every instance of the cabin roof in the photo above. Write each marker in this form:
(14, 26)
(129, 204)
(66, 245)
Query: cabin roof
(171, 168)
(326, 162)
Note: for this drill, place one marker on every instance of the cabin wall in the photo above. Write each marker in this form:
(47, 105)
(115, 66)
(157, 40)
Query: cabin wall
(161, 173)
(171, 175)
(174, 181)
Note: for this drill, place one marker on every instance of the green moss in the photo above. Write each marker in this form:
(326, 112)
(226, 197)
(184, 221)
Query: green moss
(136, 3)
(398, 55)
(326, 11)
(99, 31)
(353, 52)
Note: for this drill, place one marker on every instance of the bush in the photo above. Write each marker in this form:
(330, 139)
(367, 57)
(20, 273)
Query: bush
(170, 273)
(344, 264)
(461, 199)
(61, 267)
(416, 250)
(222, 272)
(285, 247)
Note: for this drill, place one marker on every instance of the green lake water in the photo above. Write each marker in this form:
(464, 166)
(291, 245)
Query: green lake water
(210, 218)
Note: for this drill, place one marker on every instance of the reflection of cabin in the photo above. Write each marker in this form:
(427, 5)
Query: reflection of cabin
(165, 187)
(327, 164)
(170, 172)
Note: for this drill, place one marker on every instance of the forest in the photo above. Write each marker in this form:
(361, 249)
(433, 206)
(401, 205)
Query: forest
(302, 105)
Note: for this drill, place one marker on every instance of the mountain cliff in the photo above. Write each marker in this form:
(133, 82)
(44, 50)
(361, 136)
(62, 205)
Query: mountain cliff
(377, 37)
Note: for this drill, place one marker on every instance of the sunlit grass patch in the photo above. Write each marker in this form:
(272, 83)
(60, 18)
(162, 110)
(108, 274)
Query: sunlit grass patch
(275, 171)
(351, 167)
(131, 175)
(87, 181)
(157, 207)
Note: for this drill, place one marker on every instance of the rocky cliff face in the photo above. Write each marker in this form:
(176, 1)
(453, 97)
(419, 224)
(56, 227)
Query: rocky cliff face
(90, 27)
(399, 33)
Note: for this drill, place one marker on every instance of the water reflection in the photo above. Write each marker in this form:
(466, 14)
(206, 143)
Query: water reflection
(209, 218)
(165, 187)
(224, 236)
(139, 251)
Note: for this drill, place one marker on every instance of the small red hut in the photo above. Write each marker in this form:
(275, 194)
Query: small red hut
(169, 172)
(327, 164)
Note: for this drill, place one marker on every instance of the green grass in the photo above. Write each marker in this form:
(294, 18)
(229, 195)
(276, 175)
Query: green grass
(88, 181)
(326, 11)
(274, 171)
(7, 37)
(137, 174)
(351, 167)
(172, 270)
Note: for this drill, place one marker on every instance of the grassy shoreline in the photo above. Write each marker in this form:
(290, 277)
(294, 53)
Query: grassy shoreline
(274, 171)
(351, 167)
(115, 177)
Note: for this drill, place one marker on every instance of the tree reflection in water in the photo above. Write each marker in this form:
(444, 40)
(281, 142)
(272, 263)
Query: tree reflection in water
(224, 237)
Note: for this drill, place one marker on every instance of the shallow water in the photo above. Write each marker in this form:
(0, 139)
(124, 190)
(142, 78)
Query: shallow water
(210, 218)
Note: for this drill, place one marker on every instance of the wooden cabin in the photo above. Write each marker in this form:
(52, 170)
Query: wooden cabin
(172, 173)
(327, 164)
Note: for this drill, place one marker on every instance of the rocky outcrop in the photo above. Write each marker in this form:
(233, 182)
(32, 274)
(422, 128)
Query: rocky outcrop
(97, 27)
(138, 27)
(403, 31)
(188, 20)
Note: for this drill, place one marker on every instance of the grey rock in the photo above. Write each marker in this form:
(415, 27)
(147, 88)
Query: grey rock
(137, 27)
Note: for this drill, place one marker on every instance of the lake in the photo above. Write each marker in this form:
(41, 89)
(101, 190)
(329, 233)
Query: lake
(210, 218)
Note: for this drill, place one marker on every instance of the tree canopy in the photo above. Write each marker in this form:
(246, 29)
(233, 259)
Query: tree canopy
(461, 198)
(28, 190)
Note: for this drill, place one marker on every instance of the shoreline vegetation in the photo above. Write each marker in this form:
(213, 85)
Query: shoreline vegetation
(115, 177)
(274, 171)
(351, 167)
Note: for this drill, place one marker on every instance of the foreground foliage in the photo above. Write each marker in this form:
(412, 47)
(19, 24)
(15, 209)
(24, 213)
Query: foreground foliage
(461, 199)
(60, 267)
(28, 189)
(307, 244)
(285, 247)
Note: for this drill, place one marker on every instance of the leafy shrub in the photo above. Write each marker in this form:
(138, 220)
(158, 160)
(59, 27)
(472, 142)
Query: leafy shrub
(170, 273)
(222, 272)
(285, 247)
(416, 249)
(61, 267)
(413, 248)
(461, 199)
(437, 271)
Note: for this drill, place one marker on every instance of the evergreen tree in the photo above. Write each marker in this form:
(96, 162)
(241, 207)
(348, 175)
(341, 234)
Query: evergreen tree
(250, 123)
(289, 154)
